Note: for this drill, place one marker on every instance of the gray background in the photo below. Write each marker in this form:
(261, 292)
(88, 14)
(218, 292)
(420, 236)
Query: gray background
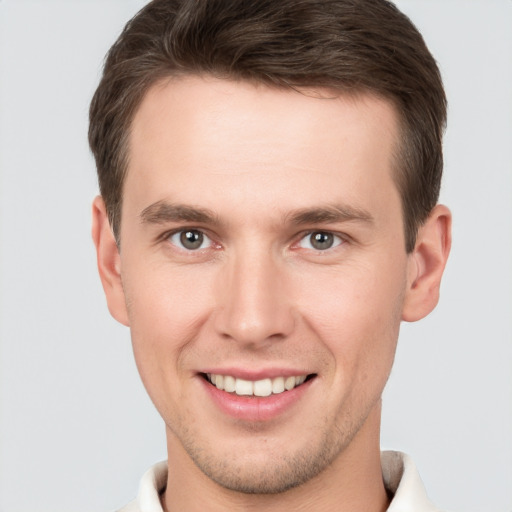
(76, 428)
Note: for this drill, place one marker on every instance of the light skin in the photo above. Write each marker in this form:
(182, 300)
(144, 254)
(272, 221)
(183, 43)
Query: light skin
(295, 264)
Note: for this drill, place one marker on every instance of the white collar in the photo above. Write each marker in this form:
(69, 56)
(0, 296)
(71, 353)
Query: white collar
(403, 482)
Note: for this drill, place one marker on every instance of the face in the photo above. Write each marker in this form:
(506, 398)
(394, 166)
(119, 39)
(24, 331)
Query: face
(264, 273)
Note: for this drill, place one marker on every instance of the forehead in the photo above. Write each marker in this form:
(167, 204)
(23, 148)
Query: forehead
(199, 104)
(202, 135)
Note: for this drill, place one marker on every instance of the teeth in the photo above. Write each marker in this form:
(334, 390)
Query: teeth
(264, 387)
(300, 380)
(278, 385)
(289, 383)
(229, 384)
(219, 381)
(243, 387)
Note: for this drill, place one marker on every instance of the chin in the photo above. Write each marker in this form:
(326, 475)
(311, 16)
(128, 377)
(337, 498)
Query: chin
(266, 468)
(274, 477)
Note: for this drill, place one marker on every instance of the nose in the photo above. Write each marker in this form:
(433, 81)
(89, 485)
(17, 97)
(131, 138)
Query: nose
(254, 305)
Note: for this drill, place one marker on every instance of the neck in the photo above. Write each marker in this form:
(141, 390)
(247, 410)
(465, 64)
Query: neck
(353, 482)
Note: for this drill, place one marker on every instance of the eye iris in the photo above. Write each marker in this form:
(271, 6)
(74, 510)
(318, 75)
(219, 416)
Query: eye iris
(191, 239)
(322, 240)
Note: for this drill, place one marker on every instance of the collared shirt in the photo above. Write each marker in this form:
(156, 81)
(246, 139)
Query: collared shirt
(400, 476)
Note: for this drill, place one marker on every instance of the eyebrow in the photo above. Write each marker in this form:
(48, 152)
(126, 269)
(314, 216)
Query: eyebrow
(330, 214)
(163, 211)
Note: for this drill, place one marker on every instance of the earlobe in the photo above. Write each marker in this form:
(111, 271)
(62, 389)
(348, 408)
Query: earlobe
(109, 261)
(426, 265)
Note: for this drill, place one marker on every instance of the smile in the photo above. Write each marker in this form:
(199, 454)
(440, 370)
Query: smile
(261, 388)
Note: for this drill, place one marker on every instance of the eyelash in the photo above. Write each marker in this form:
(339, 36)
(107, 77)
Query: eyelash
(335, 236)
(180, 232)
(337, 240)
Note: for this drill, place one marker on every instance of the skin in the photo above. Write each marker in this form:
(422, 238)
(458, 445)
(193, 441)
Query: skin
(266, 164)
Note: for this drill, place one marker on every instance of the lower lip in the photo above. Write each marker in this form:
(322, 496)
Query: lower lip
(255, 408)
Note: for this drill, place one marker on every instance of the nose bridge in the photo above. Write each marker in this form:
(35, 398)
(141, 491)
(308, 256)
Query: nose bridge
(253, 306)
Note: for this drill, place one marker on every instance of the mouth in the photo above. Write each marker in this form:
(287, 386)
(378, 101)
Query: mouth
(256, 388)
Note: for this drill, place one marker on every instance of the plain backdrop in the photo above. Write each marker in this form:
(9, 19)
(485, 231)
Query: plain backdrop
(76, 427)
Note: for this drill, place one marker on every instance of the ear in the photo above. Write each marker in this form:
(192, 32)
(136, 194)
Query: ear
(109, 261)
(426, 264)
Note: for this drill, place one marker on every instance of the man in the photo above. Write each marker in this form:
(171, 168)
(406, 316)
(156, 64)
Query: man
(269, 176)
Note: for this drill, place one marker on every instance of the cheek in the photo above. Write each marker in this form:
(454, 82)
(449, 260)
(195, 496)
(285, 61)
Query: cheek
(165, 299)
(356, 312)
(166, 311)
(166, 308)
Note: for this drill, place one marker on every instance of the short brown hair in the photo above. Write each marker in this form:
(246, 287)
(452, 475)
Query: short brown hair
(348, 45)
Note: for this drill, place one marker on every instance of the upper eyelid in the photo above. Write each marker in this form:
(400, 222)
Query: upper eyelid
(309, 232)
(169, 232)
(211, 242)
(295, 239)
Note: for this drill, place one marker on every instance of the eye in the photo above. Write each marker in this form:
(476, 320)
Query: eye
(190, 239)
(320, 241)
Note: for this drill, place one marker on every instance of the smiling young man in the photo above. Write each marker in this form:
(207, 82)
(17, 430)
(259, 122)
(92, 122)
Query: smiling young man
(269, 174)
